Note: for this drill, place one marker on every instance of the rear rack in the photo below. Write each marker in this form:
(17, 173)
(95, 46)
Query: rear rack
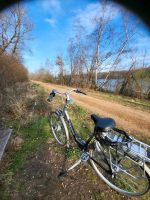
(134, 147)
(139, 149)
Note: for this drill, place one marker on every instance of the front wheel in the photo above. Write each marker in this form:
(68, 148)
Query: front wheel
(131, 181)
(59, 128)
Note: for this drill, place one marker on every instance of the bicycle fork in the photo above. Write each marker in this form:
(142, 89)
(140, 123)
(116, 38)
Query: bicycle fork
(83, 159)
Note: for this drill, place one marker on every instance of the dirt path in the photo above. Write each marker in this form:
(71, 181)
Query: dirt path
(130, 119)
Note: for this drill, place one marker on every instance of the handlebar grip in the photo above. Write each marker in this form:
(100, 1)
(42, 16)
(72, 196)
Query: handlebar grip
(51, 96)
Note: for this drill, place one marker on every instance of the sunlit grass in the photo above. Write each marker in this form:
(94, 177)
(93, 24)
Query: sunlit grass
(37, 133)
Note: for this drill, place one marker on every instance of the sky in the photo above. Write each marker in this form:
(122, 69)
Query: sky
(53, 26)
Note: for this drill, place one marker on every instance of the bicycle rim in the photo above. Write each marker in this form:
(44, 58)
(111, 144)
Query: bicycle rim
(58, 128)
(135, 184)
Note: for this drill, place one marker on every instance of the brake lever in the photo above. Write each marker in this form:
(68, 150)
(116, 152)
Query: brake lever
(84, 93)
(79, 91)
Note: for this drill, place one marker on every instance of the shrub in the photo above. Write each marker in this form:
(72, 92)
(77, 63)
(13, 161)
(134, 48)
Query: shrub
(11, 71)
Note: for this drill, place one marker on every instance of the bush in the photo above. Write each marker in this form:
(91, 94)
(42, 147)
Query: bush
(11, 71)
(13, 78)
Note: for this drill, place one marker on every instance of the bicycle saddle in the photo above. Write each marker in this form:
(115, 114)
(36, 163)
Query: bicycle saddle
(103, 124)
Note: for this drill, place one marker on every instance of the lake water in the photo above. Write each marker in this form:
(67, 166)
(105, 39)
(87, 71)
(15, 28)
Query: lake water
(111, 85)
(115, 84)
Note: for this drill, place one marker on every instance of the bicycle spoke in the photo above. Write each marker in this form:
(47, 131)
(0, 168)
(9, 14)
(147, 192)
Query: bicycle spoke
(129, 177)
(58, 128)
(126, 182)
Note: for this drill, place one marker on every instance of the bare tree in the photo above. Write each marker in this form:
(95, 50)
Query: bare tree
(88, 49)
(60, 63)
(14, 29)
(71, 55)
(103, 49)
(77, 55)
(125, 38)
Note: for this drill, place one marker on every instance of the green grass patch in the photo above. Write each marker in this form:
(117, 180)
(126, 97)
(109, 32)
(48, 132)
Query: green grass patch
(34, 136)
(81, 120)
(72, 153)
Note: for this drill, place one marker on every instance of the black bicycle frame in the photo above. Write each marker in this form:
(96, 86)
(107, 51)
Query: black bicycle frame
(82, 144)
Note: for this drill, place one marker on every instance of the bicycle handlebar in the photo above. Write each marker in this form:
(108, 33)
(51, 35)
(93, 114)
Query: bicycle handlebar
(52, 95)
(54, 92)
(79, 91)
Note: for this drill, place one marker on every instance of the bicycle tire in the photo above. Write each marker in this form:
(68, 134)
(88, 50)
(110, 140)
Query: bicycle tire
(59, 128)
(120, 182)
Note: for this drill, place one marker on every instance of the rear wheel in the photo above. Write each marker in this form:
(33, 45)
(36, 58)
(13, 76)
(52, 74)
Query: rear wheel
(59, 128)
(131, 180)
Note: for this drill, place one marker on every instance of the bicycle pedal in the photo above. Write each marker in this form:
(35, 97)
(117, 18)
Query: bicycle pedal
(84, 157)
(113, 176)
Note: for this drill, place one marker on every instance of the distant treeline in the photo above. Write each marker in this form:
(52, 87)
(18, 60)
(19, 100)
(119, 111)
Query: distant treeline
(141, 73)
(134, 82)
(45, 76)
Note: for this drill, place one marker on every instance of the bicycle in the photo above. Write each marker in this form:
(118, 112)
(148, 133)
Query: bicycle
(119, 159)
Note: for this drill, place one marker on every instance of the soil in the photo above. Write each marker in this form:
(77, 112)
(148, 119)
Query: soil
(130, 119)
(38, 179)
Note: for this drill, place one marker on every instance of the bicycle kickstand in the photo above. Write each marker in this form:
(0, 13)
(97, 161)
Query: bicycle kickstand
(83, 158)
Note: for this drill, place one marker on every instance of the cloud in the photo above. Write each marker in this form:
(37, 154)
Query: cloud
(51, 5)
(50, 21)
(53, 9)
(95, 10)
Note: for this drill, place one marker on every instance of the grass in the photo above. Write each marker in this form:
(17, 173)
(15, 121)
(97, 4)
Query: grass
(72, 153)
(34, 138)
(81, 120)
(35, 134)
(33, 128)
